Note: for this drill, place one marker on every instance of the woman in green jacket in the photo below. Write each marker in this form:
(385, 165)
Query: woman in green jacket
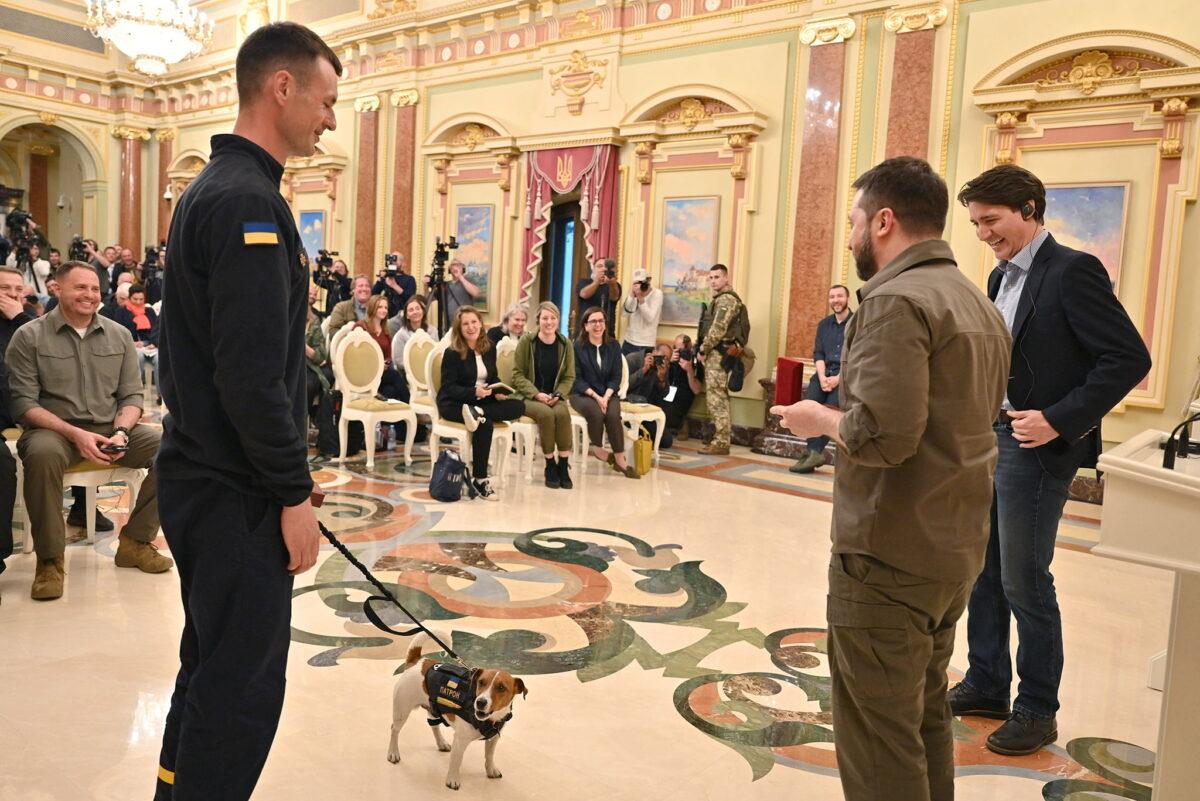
(543, 374)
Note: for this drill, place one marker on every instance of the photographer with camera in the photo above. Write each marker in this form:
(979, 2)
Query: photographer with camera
(151, 272)
(642, 308)
(397, 286)
(459, 291)
(332, 276)
(601, 290)
(36, 270)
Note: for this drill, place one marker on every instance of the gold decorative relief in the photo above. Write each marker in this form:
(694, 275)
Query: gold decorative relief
(564, 170)
(367, 104)
(255, 15)
(129, 132)
(581, 23)
(915, 18)
(692, 111)
(827, 31)
(1006, 125)
(387, 8)
(1174, 111)
(576, 78)
(503, 160)
(644, 151)
(470, 136)
(439, 168)
(739, 143)
(39, 149)
(47, 117)
(1088, 70)
(405, 97)
(165, 134)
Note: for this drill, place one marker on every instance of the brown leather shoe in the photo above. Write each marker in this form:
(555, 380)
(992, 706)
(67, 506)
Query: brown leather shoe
(142, 555)
(682, 435)
(713, 449)
(48, 580)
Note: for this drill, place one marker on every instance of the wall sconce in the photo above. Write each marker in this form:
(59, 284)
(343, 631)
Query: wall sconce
(168, 195)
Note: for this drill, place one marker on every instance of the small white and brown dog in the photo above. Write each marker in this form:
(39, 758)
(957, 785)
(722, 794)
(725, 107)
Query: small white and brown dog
(475, 702)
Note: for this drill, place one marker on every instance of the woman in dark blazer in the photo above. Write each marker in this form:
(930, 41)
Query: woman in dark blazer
(468, 367)
(597, 386)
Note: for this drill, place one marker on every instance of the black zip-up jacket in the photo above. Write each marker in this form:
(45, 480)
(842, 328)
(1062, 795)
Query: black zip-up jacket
(232, 329)
(7, 329)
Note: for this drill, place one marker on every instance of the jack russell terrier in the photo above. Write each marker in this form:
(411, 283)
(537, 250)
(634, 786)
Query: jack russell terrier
(475, 702)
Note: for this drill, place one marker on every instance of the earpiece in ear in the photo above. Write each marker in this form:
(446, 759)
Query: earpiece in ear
(1027, 211)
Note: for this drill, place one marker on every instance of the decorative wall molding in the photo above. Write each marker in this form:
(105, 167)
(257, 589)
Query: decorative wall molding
(366, 104)
(1006, 125)
(576, 78)
(916, 18)
(129, 132)
(1174, 111)
(47, 117)
(405, 97)
(165, 134)
(827, 31)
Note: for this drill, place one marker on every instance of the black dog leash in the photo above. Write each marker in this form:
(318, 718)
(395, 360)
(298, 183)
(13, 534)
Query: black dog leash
(385, 595)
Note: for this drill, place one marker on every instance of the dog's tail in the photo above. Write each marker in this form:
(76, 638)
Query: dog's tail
(420, 645)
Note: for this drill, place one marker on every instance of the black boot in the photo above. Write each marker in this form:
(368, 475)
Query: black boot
(1022, 734)
(564, 473)
(552, 480)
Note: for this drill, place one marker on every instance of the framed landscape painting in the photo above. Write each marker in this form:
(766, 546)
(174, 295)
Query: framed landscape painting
(691, 226)
(474, 233)
(312, 233)
(1091, 218)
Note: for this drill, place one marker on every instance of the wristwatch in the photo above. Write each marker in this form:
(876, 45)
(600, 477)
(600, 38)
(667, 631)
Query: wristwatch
(122, 430)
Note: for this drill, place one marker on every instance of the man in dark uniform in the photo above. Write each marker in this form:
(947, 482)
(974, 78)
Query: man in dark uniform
(827, 368)
(233, 480)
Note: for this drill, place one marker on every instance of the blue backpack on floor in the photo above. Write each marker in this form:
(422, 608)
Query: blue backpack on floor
(448, 477)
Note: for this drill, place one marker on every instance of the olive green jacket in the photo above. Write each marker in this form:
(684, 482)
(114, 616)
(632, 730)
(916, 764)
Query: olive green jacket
(523, 367)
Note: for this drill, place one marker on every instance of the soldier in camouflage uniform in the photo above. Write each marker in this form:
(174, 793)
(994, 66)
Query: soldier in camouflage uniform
(723, 325)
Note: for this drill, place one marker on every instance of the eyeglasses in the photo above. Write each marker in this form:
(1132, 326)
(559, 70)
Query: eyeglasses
(595, 322)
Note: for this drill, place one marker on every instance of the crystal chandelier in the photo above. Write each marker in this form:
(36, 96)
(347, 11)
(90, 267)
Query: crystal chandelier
(153, 33)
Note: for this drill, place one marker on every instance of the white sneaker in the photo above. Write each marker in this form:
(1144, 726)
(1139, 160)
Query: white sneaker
(472, 417)
(483, 486)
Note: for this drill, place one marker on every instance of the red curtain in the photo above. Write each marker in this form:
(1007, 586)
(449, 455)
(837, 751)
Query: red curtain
(594, 170)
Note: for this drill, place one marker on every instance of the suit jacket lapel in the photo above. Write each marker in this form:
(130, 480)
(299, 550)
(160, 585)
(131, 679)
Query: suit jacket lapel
(1033, 283)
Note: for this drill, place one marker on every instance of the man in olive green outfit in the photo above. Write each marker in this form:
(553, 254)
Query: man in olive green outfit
(924, 372)
(77, 390)
(724, 327)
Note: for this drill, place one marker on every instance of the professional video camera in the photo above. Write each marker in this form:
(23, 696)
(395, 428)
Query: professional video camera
(152, 272)
(436, 280)
(77, 250)
(20, 236)
(325, 263)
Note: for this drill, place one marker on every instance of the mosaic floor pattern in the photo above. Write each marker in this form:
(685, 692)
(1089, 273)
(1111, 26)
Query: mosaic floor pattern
(670, 631)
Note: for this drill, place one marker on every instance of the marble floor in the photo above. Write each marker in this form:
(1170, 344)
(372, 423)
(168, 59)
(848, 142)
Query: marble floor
(670, 631)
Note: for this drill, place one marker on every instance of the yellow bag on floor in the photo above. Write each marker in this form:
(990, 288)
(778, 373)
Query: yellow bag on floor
(643, 452)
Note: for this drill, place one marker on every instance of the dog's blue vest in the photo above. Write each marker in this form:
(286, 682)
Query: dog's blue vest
(451, 689)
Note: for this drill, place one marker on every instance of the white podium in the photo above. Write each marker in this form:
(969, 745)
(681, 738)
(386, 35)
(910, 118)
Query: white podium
(1152, 516)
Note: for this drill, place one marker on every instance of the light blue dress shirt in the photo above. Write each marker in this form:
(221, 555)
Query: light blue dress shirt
(1016, 271)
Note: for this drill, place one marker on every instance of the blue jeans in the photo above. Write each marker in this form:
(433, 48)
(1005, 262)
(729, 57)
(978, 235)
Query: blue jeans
(1026, 507)
(814, 392)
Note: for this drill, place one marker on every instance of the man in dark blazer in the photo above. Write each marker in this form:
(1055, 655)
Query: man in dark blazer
(1075, 356)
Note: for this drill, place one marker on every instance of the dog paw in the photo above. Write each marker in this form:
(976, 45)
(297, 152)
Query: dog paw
(494, 773)
(393, 757)
(453, 784)
(444, 747)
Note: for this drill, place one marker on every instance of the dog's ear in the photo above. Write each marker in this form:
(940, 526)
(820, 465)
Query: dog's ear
(520, 687)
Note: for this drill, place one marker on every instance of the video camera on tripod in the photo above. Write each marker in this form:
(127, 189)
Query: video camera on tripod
(20, 236)
(325, 265)
(77, 250)
(436, 280)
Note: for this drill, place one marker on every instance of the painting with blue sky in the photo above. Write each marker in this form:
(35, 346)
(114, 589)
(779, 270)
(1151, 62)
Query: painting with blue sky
(474, 234)
(1091, 218)
(312, 232)
(690, 229)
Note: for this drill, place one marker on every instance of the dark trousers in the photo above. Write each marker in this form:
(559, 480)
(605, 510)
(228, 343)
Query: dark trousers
(237, 603)
(8, 498)
(481, 440)
(598, 422)
(1016, 580)
(668, 439)
(815, 393)
(891, 635)
(628, 349)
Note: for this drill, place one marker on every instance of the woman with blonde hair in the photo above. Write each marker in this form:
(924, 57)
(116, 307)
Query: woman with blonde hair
(468, 367)
(512, 324)
(543, 375)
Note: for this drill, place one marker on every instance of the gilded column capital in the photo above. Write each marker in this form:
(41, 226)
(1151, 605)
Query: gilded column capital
(907, 19)
(165, 134)
(405, 97)
(1174, 111)
(366, 104)
(440, 165)
(827, 31)
(129, 132)
(1006, 136)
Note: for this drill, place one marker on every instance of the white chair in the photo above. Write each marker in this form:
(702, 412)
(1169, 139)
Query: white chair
(325, 327)
(335, 340)
(89, 475)
(525, 430)
(358, 365)
(634, 414)
(416, 361)
(441, 427)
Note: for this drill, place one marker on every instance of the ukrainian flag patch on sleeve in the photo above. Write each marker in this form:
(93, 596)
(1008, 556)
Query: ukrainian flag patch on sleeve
(260, 233)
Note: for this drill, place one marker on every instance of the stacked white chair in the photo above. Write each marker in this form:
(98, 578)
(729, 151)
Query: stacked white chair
(358, 365)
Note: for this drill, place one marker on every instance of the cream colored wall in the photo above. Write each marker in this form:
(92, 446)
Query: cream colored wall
(1179, 19)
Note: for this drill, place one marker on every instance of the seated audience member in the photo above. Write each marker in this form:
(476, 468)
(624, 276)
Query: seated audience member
(543, 376)
(648, 383)
(597, 381)
(141, 322)
(37, 272)
(468, 367)
(12, 317)
(392, 384)
(128, 265)
(354, 309)
(414, 321)
(319, 377)
(75, 387)
(827, 366)
(55, 260)
(397, 287)
(52, 290)
(512, 324)
(119, 297)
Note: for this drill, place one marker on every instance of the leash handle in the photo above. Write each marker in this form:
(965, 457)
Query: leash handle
(385, 595)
